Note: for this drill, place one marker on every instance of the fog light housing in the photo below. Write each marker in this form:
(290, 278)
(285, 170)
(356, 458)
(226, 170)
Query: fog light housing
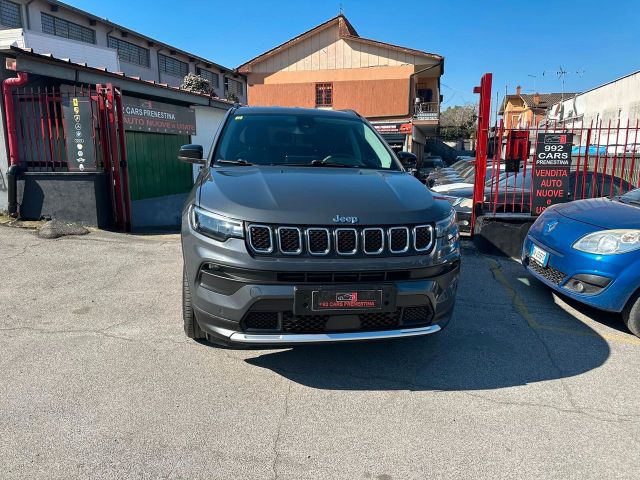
(587, 284)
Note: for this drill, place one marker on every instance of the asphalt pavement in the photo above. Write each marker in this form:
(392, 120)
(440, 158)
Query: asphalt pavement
(97, 380)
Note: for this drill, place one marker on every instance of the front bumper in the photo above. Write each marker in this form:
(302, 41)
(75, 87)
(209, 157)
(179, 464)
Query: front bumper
(566, 264)
(292, 339)
(228, 286)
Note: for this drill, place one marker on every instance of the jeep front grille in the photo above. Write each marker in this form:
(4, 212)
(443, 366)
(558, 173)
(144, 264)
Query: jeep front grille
(290, 240)
(260, 238)
(342, 241)
(346, 241)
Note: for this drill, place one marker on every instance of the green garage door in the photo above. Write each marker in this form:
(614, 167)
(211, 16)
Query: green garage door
(154, 170)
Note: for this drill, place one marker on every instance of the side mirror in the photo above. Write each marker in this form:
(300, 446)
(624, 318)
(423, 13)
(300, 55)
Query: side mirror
(191, 154)
(408, 159)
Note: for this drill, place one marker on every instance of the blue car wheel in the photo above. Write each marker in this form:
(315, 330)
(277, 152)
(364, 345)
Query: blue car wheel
(631, 315)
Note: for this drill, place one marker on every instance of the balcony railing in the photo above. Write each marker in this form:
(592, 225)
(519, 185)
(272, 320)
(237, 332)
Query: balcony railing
(426, 111)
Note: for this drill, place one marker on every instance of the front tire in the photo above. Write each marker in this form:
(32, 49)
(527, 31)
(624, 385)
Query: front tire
(191, 327)
(631, 315)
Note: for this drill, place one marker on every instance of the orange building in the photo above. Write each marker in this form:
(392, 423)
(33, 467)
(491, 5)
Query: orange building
(522, 110)
(331, 66)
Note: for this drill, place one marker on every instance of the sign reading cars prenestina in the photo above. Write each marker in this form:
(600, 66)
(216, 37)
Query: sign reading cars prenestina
(151, 116)
(552, 170)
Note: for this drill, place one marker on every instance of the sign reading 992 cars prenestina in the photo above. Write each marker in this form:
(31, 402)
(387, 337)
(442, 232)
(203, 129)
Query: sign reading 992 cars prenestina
(551, 171)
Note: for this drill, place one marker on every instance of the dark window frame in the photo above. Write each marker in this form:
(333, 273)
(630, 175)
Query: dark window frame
(212, 77)
(130, 52)
(10, 14)
(324, 94)
(66, 29)
(238, 86)
(172, 66)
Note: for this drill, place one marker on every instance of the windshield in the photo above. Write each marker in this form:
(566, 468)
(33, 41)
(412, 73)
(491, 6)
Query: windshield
(631, 197)
(302, 140)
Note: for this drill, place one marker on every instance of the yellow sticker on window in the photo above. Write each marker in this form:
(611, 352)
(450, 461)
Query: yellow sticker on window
(238, 117)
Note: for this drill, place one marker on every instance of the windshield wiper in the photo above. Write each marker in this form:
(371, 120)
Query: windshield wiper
(235, 162)
(325, 163)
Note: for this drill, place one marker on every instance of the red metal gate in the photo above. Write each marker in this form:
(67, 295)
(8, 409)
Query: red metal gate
(605, 161)
(41, 136)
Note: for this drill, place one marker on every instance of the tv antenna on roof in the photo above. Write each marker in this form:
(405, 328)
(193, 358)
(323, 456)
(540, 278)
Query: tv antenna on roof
(341, 9)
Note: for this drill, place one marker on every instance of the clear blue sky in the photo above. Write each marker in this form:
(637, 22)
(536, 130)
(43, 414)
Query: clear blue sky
(593, 40)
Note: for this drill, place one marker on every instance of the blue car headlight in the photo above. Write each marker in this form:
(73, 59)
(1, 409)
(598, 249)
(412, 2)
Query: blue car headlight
(215, 226)
(609, 242)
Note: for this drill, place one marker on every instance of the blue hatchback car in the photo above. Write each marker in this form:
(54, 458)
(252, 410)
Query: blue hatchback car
(589, 250)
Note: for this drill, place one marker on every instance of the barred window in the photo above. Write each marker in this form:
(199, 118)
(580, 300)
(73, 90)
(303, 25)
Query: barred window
(211, 76)
(172, 66)
(324, 94)
(129, 52)
(232, 86)
(64, 28)
(10, 14)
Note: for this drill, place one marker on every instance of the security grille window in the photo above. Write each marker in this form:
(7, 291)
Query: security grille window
(232, 86)
(171, 66)
(10, 15)
(207, 75)
(324, 94)
(64, 28)
(128, 52)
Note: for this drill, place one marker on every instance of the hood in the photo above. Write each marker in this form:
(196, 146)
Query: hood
(315, 195)
(601, 212)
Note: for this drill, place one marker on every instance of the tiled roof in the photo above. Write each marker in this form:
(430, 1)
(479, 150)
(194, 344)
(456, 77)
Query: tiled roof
(546, 99)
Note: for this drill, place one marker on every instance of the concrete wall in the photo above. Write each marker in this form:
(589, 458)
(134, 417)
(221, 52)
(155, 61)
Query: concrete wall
(618, 100)
(78, 52)
(371, 98)
(75, 197)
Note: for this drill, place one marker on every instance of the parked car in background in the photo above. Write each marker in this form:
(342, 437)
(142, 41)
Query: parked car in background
(431, 164)
(589, 250)
(458, 170)
(468, 181)
(512, 193)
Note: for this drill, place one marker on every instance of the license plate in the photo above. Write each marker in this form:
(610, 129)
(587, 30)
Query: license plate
(346, 300)
(539, 255)
(329, 299)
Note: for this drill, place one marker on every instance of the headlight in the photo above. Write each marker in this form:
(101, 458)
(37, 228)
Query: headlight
(214, 225)
(609, 242)
(465, 203)
(444, 226)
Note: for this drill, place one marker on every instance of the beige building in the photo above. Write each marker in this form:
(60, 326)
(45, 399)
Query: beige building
(331, 66)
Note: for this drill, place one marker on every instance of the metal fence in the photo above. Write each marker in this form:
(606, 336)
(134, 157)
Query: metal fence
(605, 162)
(41, 126)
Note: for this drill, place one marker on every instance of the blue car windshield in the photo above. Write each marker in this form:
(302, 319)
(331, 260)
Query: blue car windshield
(631, 197)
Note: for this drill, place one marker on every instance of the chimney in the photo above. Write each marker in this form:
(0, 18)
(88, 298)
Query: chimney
(536, 98)
(518, 89)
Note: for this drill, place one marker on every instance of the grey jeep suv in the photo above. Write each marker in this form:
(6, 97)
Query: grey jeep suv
(304, 227)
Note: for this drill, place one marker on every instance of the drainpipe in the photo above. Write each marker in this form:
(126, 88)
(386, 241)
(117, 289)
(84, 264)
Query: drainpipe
(12, 136)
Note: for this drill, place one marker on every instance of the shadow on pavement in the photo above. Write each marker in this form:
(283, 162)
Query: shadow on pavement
(482, 349)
